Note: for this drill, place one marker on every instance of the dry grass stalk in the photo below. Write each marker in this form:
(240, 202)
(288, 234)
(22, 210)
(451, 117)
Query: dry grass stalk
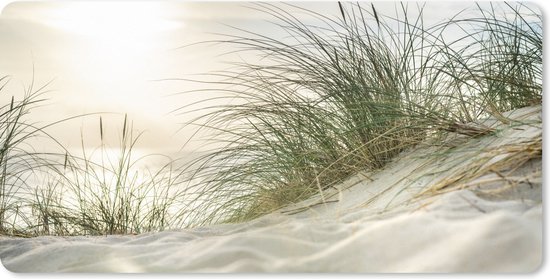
(502, 161)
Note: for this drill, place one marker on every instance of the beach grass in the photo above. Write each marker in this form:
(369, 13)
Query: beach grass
(61, 193)
(311, 109)
(110, 195)
(353, 92)
(17, 160)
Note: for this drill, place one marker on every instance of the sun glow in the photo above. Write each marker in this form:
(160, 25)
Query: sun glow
(112, 20)
(116, 48)
(116, 31)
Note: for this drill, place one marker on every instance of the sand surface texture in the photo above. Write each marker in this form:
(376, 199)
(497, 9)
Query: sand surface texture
(473, 205)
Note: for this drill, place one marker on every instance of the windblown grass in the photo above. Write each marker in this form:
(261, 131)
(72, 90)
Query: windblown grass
(110, 196)
(17, 160)
(496, 65)
(325, 102)
(350, 94)
(64, 194)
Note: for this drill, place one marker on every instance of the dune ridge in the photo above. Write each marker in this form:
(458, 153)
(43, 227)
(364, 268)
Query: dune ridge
(474, 205)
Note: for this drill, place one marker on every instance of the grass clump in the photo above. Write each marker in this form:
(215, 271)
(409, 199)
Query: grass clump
(17, 160)
(351, 93)
(499, 67)
(97, 193)
(326, 101)
(107, 193)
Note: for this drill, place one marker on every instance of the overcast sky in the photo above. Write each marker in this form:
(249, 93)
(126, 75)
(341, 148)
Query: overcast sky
(107, 57)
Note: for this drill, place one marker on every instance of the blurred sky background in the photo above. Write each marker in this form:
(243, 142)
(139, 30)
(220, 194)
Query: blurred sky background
(125, 56)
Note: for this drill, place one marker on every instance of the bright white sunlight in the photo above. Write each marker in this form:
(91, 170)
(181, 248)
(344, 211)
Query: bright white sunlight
(117, 21)
(114, 39)
(115, 36)
(353, 137)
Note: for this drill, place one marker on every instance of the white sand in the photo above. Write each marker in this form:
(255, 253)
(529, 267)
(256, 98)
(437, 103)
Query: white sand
(377, 223)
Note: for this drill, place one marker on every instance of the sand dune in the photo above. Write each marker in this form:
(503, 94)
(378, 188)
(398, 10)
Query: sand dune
(412, 216)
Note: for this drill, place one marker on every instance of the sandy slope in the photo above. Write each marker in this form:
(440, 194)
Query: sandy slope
(408, 217)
